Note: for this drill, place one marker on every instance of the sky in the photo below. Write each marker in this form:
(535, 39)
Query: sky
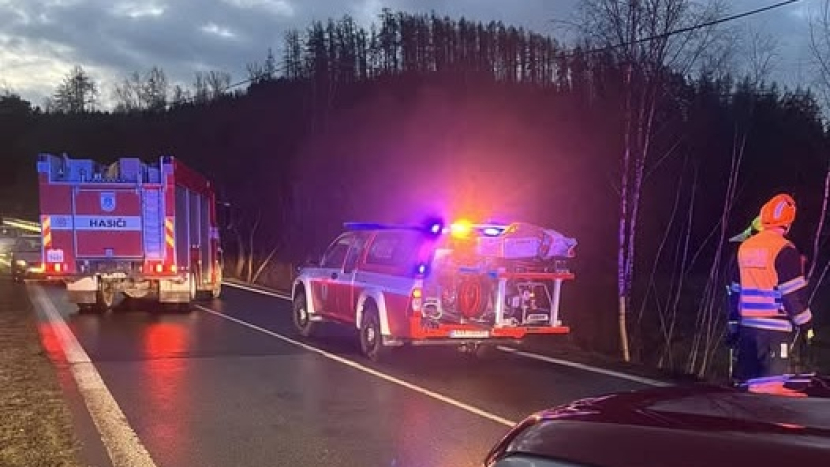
(41, 40)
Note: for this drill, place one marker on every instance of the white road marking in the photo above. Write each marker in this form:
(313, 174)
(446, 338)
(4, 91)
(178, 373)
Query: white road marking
(581, 366)
(258, 290)
(122, 444)
(521, 353)
(345, 361)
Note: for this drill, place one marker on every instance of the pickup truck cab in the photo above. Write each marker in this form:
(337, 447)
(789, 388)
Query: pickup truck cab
(428, 285)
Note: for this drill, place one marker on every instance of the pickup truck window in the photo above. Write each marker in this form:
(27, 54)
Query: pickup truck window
(358, 246)
(335, 256)
(394, 249)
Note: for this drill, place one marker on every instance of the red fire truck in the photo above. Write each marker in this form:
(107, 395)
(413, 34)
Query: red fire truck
(147, 230)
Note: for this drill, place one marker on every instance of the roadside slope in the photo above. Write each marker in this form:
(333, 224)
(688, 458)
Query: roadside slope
(36, 426)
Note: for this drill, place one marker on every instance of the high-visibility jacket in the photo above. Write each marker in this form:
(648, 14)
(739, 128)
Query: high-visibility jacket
(770, 287)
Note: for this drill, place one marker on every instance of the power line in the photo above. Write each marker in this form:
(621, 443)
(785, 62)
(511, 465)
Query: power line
(686, 29)
(264, 75)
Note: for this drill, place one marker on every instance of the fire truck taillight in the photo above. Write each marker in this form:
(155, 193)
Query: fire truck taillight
(159, 268)
(58, 267)
(173, 268)
(417, 299)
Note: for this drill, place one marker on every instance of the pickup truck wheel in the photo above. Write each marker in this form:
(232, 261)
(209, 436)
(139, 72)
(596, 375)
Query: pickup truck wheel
(486, 352)
(217, 286)
(302, 319)
(371, 339)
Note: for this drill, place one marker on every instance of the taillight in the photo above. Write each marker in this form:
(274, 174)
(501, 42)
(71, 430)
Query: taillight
(417, 299)
(58, 267)
(159, 268)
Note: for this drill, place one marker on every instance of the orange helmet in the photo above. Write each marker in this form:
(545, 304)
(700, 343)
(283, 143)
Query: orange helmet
(778, 211)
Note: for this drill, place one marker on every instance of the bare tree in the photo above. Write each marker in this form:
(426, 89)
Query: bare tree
(218, 83)
(155, 90)
(201, 89)
(135, 92)
(819, 23)
(127, 94)
(179, 95)
(761, 53)
(640, 35)
(78, 93)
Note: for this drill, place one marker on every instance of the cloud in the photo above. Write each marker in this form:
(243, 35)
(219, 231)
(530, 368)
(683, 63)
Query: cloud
(40, 40)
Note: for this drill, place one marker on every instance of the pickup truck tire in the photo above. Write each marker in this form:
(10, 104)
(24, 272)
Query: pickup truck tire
(302, 320)
(371, 339)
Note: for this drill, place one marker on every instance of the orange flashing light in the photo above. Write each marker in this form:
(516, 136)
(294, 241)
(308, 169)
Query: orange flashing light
(460, 228)
(417, 299)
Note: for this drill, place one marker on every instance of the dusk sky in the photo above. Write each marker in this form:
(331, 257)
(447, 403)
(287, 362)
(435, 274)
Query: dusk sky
(40, 40)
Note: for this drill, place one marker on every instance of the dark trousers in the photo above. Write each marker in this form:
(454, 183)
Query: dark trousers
(761, 353)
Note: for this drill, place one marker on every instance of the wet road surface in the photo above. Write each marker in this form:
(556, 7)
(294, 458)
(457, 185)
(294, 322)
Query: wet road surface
(202, 390)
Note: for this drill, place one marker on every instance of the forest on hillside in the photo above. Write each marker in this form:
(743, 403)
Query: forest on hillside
(652, 153)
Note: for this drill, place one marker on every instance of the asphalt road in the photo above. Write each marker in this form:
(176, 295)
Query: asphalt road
(207, 388)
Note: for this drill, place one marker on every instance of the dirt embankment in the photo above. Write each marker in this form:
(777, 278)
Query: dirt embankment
(35, 423)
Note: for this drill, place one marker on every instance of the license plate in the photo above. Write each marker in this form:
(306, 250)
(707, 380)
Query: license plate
(54, 256)
(467, 334)
(114, 275)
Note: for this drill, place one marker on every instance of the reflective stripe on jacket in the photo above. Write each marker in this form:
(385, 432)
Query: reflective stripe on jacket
(767, 301)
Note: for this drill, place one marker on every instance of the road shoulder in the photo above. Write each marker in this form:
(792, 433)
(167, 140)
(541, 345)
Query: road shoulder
(37, 424)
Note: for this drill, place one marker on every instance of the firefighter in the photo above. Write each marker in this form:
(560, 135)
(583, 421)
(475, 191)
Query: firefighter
(733, 295)
(772, 303)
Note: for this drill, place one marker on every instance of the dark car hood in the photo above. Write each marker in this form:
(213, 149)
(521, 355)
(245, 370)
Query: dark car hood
(700, 425)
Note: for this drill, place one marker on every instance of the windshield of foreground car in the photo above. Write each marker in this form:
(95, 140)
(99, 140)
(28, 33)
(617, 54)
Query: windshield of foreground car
(27, 245)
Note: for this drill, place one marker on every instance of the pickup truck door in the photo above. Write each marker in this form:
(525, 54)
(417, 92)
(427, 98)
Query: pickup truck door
(326, 282)
(347, 290)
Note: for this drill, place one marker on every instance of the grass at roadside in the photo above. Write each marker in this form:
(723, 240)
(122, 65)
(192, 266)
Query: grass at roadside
(35, 423)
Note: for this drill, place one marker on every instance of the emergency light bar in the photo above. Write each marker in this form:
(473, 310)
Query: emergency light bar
(436, 227)
(379, 226)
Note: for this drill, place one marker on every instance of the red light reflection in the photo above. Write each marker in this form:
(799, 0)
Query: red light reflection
(165, 388)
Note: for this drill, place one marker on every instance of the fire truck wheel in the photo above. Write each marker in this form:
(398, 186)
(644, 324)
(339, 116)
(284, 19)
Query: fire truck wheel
(302, 321)
(371, 340)
(106, 298)
(192, 291)
(85, 308)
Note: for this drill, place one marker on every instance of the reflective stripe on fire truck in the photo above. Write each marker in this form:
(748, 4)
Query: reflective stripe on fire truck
(169, 240)
(46, 228)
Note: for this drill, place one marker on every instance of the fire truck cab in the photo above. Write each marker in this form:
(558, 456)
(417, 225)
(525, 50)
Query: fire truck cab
(133, 228)
(468, 285)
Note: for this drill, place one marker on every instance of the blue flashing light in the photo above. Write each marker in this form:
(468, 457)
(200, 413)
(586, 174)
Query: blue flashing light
(492, 231)
(434, 225)
(365, 226)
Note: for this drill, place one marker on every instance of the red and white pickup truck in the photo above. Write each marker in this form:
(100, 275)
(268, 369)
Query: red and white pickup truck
(467, 285)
